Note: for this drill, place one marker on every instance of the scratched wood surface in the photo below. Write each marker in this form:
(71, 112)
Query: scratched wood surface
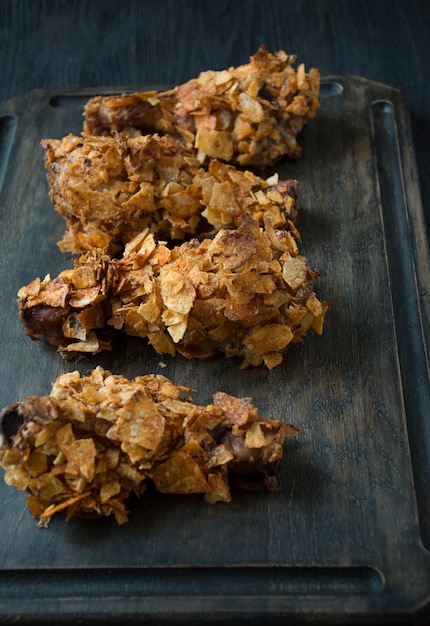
(347, 538)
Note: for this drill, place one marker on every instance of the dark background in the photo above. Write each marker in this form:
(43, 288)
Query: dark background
(72, 44)
(68, 44)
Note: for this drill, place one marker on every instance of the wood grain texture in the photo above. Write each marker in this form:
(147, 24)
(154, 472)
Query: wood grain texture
(347, 539)
(64, 44)
(344, 537)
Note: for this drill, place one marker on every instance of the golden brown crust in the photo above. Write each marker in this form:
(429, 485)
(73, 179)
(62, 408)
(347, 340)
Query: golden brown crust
(249, 115)
(109, 189)
(85, 447)
(246, 293)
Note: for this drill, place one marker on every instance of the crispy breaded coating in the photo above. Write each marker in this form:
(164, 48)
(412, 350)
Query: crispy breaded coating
(248, 115)
(109, 189)
(85, 447)
(246, 293)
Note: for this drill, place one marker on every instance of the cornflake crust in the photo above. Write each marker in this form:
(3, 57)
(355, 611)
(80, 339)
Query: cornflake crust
(93, 441)
(245, 293)
(110, 189)
(248, 115)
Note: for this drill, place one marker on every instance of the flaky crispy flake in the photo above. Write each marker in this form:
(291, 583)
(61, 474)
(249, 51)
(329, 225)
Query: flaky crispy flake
(246, 293)
(85, 447)
(109, 189)
(248, 115)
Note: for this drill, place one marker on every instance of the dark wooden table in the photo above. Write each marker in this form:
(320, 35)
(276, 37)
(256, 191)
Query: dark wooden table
(68, 45)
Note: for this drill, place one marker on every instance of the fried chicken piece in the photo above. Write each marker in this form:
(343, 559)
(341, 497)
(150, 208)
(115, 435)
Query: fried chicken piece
(109, 189)
(249, 115)
(246, 293)
(85, 447)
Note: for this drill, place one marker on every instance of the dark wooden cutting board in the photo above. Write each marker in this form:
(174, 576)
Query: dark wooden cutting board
(347, 538)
